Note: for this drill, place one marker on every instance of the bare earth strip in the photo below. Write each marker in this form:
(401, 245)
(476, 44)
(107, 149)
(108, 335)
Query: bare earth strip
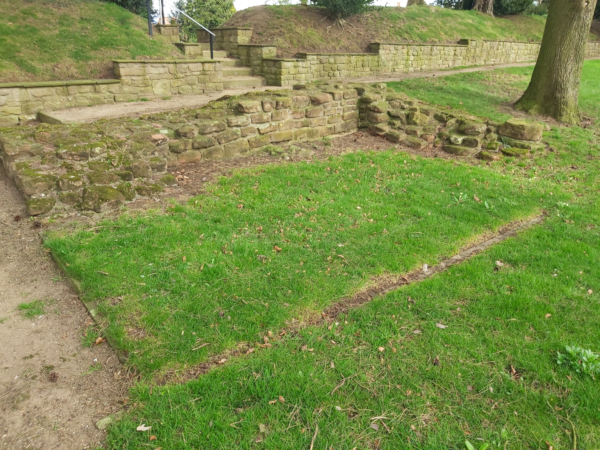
(378, 287)
(92, 113)
(37, 409)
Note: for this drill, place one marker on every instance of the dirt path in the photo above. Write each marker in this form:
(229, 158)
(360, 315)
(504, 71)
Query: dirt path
(35, 410)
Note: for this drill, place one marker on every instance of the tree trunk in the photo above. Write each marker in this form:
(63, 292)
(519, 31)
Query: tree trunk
(554, 86)
(485, 6)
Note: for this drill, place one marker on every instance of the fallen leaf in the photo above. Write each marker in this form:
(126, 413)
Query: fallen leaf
(240, 206)
(417, 332)
(152, 438)
(590, 291)
(304, 348)
(547, 316)
(99, 341)
(436, 361)
(143, 427)
(272, 402)
(439, 325)
(476, 199)
(469, 388)
(281, 399)
(381, 349)
(263, 428)
(184, 259)
(276, 248)
(499, 263)
(375, 426)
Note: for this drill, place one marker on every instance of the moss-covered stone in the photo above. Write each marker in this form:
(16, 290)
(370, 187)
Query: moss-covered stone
(180, 145)
(521, 129)
(40, 205)
(514, 151)
(31, 182)
(70, 198)
(459, 150)
(249, 106)
(378, 107)
(140, 169)
(187, 131)
(148, 190)
(472, 127)
(415, 143)
(395, 136)
(69, 182)
(488, 156)
(97, 198)
(211, 126)
(168, 180)
(417, 118)
(102, 177)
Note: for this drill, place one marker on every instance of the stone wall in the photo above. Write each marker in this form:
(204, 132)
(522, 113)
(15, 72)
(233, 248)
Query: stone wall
(169, 77)
(170, 31)
(384, 58)
(138, 80)
(98, 166)
(226, 39)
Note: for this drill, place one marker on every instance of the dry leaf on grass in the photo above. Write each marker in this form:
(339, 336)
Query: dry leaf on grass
(143, 427)
(439, 325)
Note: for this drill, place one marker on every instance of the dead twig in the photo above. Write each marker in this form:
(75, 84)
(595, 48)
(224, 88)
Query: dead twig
(312, 442)
(342, 383)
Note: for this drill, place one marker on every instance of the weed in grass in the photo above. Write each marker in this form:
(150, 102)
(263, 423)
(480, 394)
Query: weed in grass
(582, 361)
(32, 309)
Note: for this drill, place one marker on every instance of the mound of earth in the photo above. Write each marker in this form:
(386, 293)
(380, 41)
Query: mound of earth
(297, 28)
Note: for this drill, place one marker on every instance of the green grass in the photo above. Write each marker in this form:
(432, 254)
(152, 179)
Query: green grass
(294, 28)
(208, 273)
(368, 380)
(70, 40)
(32, 309)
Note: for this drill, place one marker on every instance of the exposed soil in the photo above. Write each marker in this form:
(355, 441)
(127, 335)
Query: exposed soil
(50, 394)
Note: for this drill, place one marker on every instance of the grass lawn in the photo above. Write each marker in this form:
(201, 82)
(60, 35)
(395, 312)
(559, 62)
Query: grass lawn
(469, 354)
(274, 244)
(70, 39)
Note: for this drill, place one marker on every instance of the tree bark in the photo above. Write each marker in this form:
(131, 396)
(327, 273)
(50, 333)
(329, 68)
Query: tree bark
(485, 6)
(554, 86)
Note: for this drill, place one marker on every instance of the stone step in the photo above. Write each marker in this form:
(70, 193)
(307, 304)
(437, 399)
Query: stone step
(237, 71)
(216, 54)
(229, 62)
(238, 82)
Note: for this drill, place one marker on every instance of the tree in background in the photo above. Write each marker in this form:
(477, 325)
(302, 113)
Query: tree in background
(484, 6)
(338, 9)
(597, 13)
(210, 13)
(498, 7)
(135, 6)
(554, 86)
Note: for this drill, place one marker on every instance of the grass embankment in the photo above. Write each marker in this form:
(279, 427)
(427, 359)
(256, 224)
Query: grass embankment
(385, 375)
(71, 39)
(297, 28)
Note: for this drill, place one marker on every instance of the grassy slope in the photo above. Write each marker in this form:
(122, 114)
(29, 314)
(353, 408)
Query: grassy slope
(304, 29)
(494, 319)
(70, 39)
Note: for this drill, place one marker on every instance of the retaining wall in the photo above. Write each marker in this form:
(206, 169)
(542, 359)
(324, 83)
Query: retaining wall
(385, 58)
(137, 80)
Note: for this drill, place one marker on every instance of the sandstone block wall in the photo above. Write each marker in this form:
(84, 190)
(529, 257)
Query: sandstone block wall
(165, 78)
(138, 80)
(226, 39)
(384, 58)
(170, 31)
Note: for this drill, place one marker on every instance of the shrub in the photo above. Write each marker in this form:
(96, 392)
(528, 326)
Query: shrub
(511, 7)
(338, 9)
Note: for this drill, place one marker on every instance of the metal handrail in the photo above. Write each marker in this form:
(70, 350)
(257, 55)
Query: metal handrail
(204, 28)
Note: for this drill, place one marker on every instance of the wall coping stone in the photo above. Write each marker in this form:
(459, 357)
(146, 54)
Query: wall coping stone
(232, 28)
(284, 59)
(336, 54)
(164, 61)
(411, 44)
(34, 84)
(256, 45)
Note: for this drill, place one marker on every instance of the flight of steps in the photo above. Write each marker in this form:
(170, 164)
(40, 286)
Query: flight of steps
(235, 75)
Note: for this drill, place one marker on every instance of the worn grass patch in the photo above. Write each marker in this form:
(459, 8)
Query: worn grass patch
(72, 39)
(32, 309)
(272, 245)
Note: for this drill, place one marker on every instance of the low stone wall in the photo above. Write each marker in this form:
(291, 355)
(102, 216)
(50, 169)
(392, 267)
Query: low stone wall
(226, 39)
(139, 80)
(99, 166)
(170, 77)
(170, 31)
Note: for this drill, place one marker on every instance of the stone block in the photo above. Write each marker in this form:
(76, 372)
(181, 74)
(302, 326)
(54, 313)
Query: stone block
(97, 198)
(281, 136)
(248, 131)
(228, 135)
(40, 205)
(200, 142)
(458, 150)
(259, 141)
(238, 121)
(377, 117)
(314, 112)
(472, 127)
(321, 98)
(261, 117)
(191, 156)
(378, 107)
(417, 118)
(180, 146)
(521, 129)
(395, 136)
(140, 169)
(187, 131)
(279, 115)
(236, 148)
(211, 126)
(249, 106)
